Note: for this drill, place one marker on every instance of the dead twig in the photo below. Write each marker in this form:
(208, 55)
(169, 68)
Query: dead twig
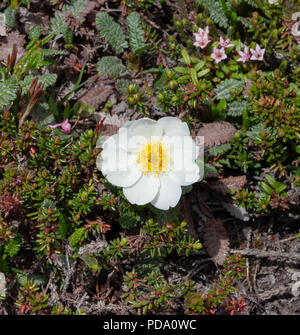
(266, 254)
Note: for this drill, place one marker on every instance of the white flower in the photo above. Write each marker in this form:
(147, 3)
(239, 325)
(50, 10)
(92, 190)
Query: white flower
(151, 160)
(273, 2)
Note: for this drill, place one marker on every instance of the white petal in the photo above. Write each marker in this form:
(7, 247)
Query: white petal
(124, 178)
(143, 191)
(119, 167)
(187, 177)
(169, 193)
(174, 126)
(137, 133)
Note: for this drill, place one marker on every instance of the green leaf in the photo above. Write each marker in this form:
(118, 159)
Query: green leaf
(199, 65)
(186, 57)
(13, 246)
(111, 32)
(46, 79)
(203, 73)
(220, 149)
(216, 12)
(136, 33)
(266, 188)
(128, 221)
(221, 106)
(271, 181)
(236, 108)
(225, 88)
(76, 236)
(181, 69)
(210, 171)
(8, 91)
(35, 33)
(111, 65)
(10, 16)
(91, 262)
(193, 74)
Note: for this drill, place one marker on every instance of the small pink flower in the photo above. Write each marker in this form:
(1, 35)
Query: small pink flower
(202, 38)
(258, 53)
(245, 56)
(225, 43)
(218, 54)
(65, 126)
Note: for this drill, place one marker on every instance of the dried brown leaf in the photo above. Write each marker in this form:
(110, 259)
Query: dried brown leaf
(187, 214)
(216, 240)
(111, 123)
(7, 43)
(223, 185)
(216, 133)
(96, 96)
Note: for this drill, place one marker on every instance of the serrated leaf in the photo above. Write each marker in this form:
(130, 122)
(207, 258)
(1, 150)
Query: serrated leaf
(220, 149)
(10, 16)
(111, 65)
(136, 33)
(224, 89)
(236, 108)
(216, 12)
(35, 33)
(8, 91)
(46, 79)
(111, 32)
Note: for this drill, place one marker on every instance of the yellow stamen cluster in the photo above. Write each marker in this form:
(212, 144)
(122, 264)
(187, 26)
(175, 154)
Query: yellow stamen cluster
(154, 159)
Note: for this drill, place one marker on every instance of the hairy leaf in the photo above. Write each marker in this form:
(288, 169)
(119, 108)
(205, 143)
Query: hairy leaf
(216, 240)
(225, 89)
(8, 91)
(236, 108)
(46, 79)
(136, 33)
(96, 96)
(216, 133)
(216, 12)
(110, 65)
(111, 32)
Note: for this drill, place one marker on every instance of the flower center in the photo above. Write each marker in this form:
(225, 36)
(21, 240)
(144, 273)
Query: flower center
(154, 158)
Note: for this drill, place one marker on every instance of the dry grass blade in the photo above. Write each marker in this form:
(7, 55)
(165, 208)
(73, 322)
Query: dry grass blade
(216, 240)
